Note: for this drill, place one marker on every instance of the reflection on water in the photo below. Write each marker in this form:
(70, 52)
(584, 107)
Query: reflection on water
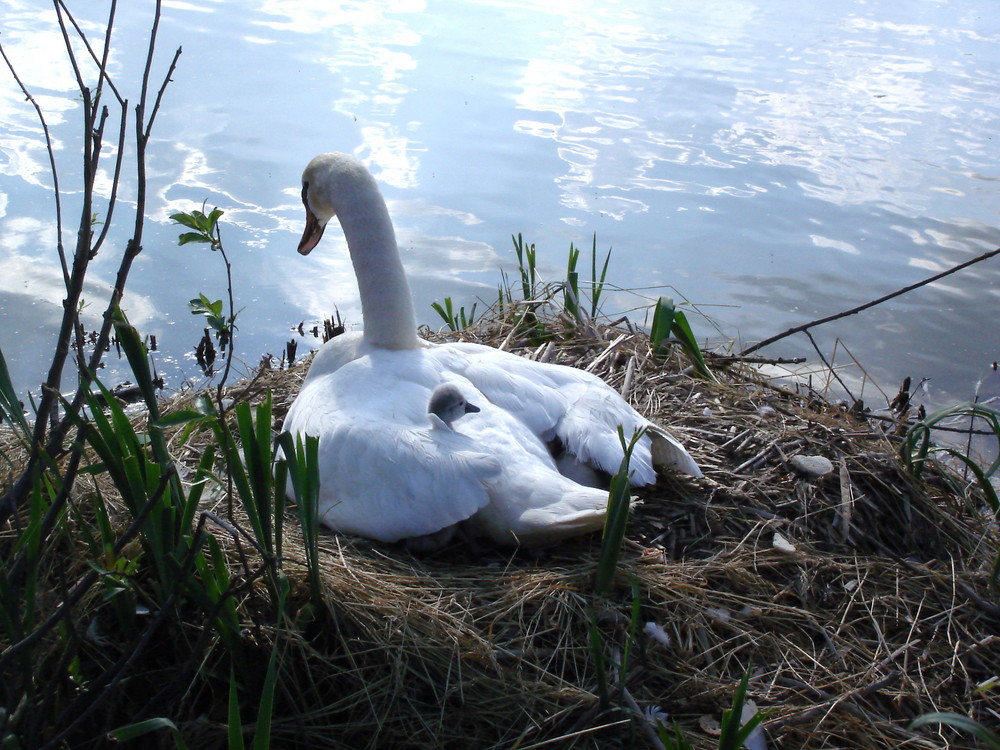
(771, 162)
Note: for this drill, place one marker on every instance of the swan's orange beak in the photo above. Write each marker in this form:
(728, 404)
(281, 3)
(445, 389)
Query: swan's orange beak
(312, 233)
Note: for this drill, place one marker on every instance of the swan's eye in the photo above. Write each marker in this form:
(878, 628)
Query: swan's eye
(305, 189)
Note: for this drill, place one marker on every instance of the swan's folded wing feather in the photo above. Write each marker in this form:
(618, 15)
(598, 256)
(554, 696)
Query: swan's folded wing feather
(576, 406)
(669, 453)
(524, 389)
(391, 483)
(553, 400)
(589, 431)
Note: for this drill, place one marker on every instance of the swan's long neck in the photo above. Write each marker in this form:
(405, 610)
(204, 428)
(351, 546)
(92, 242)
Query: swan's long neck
(386, 304)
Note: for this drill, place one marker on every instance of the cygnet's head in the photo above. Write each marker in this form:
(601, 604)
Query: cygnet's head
(448, 404)
(328, 182)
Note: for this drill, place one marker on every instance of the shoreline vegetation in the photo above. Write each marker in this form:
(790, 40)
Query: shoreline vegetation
(831, 582)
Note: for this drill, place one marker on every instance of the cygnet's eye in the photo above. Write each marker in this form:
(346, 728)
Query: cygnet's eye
(305, 190)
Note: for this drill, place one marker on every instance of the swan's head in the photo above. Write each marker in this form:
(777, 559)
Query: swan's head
(327, 182)
(448, 404)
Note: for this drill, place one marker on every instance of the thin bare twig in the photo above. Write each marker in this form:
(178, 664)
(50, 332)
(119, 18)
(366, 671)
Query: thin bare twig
(57, 194)
(873, 303)
(163, 87)
(102, 61)
(830, 368)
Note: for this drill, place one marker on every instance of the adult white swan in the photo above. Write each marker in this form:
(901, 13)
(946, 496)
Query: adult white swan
(386, 471)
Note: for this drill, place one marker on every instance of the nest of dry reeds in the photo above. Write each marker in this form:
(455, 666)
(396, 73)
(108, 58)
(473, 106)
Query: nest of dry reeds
(857, 599)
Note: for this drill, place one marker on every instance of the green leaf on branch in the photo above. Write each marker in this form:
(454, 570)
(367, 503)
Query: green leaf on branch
(187, 237)
(205, 226)
(212, 311)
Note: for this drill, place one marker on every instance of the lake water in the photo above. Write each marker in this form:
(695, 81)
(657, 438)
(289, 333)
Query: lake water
(768, 161)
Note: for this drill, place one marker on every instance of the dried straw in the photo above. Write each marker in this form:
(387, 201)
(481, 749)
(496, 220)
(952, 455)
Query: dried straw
(858, 600)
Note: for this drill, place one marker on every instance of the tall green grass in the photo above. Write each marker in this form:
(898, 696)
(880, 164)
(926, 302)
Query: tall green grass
(670, 325)
(455, 320)
(572, 294)
(669, 322)
(162, 564)
(616, 520)
(615, 523)
(180, 567)
(918, 448)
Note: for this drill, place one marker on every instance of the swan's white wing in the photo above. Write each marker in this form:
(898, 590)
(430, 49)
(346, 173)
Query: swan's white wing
(667, 451)
(388, 482)
(524, 389)
(385, 473)
(589, 430)
(578, 407)
(537, 505)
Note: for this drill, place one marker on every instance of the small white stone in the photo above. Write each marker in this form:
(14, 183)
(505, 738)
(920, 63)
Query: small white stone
(756, 739)
(781, 544)
(812, 466)
(710, 725)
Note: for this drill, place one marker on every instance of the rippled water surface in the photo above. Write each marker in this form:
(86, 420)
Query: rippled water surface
(771, 162)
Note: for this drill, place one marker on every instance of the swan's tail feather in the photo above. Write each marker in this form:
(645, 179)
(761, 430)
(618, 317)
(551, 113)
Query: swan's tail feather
(668, 453)
(576, 522)
(577, 511)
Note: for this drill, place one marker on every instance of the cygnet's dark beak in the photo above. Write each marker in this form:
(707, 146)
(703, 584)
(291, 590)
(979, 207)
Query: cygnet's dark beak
(471, 408)
(312, 233)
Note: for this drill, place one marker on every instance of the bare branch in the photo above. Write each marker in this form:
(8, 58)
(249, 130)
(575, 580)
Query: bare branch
(140, 110)
(830, 368)
(60, 10)
(163, 87)
(52, 163)
(134, 247)
(102, 62)
(47, 441)
(859, 308)
(116, 180)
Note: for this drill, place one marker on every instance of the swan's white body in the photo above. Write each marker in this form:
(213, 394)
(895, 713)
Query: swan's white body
(389, 472)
